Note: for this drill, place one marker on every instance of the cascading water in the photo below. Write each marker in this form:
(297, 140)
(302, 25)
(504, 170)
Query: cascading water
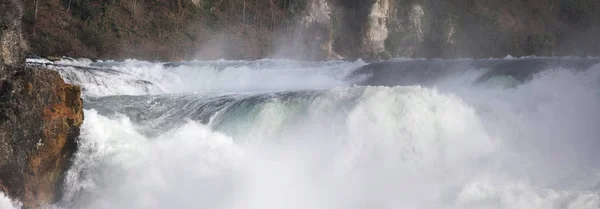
(332, 135)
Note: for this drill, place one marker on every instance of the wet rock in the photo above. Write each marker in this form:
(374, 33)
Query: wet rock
(40, 117)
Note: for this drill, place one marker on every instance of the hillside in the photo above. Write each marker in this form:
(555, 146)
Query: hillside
(311, 29)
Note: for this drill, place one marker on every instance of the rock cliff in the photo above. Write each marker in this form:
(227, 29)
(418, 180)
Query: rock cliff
(11, 40)
(40, 117)
(467, 28)
(312, 29)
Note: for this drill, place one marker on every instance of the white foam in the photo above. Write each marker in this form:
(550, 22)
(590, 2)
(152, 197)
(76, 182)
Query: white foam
(501, 145)
(83, 62)
(38, 60)
(122, 169)
(7, 203)
(134, 77)
(353, 147)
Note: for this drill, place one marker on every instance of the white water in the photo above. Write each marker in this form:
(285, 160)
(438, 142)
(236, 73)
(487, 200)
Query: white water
(201, 76)
(6, 203)
(451, 146)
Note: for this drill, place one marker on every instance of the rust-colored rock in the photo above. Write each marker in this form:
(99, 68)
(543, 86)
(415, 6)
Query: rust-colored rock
(40, 117)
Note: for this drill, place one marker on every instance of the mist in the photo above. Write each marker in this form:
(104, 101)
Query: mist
(7, 203)
(268, 104)
(456, 144)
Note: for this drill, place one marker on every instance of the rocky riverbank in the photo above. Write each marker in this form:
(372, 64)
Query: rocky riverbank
(40, 117)
(311, 29)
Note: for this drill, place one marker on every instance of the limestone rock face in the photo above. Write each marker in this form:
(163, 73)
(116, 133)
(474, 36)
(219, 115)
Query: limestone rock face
(316, 25)
(377, 29)
(311, 34)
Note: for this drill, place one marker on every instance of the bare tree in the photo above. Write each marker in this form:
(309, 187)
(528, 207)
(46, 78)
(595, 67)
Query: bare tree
(36, 10)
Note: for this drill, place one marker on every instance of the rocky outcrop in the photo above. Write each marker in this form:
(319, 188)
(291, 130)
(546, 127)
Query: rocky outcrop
(40, 117)
(379, 29)
(11, 41)
(407, 26)
(483, 29)
(312, 36)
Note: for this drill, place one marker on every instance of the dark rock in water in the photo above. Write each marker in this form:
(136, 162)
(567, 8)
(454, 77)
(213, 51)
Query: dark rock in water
(40, 117)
